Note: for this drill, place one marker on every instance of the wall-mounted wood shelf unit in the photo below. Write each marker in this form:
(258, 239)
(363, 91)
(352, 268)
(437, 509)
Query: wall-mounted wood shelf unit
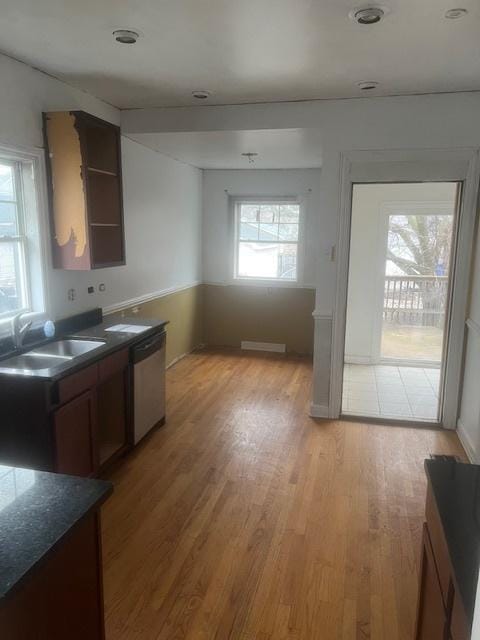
(85, 179)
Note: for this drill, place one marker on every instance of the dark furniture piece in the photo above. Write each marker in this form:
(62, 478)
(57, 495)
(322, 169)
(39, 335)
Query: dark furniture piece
(76, 425)
(450, 551)
(85, 190)
(50, 556)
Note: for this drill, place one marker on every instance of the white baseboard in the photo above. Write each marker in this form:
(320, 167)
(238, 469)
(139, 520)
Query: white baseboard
(358, 360)
(319, 411)
(263, 346)
(467, 444)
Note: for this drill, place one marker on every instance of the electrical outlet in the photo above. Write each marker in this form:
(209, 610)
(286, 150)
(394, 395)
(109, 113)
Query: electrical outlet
(71, 294)
(91, 289)
(102, 287)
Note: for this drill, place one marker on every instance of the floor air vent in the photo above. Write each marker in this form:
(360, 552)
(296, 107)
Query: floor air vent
(263, 346)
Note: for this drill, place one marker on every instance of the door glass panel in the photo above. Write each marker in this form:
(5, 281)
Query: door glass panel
(398, 297)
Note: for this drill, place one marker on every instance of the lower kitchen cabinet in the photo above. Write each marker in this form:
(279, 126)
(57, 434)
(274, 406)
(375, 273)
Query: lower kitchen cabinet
(112, 415)
(62, 597)
(75, 428)
(432, 620)
(450, 551)
(92, 428)
(76, 425)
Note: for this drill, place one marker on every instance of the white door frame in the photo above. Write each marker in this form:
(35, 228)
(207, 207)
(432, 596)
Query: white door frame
(424, 165)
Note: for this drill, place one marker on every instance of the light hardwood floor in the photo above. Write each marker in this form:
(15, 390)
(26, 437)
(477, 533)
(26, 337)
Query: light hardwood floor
(245, 519)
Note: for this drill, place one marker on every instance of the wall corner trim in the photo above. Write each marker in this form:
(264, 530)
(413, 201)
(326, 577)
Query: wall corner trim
(148, 297)
(319, 411)
(467, 444)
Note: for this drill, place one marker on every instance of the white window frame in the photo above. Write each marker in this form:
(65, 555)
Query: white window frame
(20, 239)
(234, 204)
(29, 163)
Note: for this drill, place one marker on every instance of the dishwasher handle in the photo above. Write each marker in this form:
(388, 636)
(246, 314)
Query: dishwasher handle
(148, 347)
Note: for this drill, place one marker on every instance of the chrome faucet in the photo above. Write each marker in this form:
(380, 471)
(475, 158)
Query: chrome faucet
(19, 330)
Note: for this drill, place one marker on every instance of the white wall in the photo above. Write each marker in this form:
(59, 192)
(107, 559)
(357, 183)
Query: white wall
(367, 258)
(162, 199)
(218, 185)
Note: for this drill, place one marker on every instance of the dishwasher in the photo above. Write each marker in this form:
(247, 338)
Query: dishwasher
(148, 359)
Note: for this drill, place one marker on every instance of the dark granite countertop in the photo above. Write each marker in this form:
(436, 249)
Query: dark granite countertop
(112, 342)
(456, 489)
(37, 509)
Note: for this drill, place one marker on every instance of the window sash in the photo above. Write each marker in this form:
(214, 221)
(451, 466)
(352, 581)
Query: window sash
(237, 207)
(20, 239)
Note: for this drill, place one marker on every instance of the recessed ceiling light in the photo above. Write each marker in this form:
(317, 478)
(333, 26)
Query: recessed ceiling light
(368, 15)
(126, 36)
(367, 85)
(201, 94)
(454, 14)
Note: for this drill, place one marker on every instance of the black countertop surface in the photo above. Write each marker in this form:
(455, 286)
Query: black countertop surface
(37, 509)
(456, 489)
(112, 341)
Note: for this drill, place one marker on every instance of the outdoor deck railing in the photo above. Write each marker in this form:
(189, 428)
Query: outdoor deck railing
(415, 300)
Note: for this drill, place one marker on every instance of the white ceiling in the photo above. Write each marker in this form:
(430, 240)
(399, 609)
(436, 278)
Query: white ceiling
(244, 50)
(276, 148)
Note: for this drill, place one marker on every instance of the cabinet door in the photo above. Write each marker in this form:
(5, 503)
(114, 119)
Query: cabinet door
(113, 402)
(74, 426)
(431, 615)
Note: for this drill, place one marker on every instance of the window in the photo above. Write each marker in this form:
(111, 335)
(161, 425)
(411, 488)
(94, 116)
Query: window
(14, 291)
(266, 239)
(22, 255)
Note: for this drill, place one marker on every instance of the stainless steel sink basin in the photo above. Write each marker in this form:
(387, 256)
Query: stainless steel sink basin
(67, 349)
(30, 362)
(50, 355)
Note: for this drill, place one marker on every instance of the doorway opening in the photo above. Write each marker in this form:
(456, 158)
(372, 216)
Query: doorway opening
(401, 258)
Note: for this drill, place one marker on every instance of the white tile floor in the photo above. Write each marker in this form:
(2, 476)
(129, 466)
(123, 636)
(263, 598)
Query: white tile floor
(391, 392)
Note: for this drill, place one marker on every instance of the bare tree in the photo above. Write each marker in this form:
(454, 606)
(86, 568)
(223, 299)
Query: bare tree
(420, 244)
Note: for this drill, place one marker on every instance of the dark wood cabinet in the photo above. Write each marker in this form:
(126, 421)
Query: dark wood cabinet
(64, 596)
(86, 205)
(432, 622)
(75, 428)
(77, 425)
(440, 613)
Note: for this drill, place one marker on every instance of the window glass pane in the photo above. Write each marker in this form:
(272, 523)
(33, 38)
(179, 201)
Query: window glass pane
(249, 212)
(289, 213)
(8, 223)
(288, 232)
(287, 262)
(248, 230)
(269, 213)
(7, 191)
(11, 269)
(260, 260)
(268, 232)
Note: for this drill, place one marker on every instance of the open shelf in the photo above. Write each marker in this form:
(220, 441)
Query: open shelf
(102, 171)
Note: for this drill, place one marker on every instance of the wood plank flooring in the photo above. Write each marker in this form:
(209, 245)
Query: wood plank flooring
(245, 519)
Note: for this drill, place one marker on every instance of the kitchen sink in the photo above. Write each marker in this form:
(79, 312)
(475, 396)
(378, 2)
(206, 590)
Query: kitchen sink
(31, 362)
(67, 349)
(50, 355)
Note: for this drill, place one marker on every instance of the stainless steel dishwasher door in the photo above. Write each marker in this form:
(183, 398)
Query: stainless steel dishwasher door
(148, 384)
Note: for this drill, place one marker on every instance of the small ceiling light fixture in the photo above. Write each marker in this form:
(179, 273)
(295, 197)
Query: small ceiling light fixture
(454, 14)
(368, 15)
(367, 85)
(201, 94)
(126, 36)
(251, 156)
